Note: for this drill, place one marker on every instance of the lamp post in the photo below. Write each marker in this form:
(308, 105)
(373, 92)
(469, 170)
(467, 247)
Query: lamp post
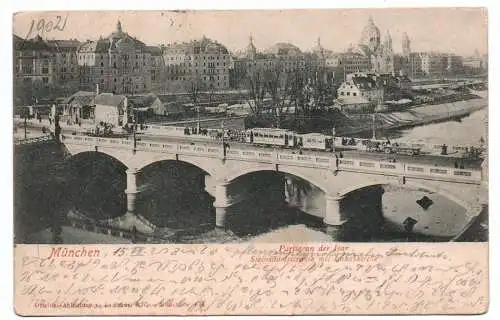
(25, 125)
(373, 126)
(198, 120)
(333, 139)
(134, 113)
(223, 141)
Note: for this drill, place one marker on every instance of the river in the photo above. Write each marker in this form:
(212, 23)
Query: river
(468, 131)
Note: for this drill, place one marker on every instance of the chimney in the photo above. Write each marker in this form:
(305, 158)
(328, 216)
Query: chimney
(97, 89)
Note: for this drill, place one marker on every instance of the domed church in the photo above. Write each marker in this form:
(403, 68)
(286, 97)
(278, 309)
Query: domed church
(380, 53)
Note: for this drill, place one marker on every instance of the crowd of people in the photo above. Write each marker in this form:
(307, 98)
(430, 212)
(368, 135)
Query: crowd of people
(217, 134)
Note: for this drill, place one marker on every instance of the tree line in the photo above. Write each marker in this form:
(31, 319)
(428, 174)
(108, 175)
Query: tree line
(280, 92)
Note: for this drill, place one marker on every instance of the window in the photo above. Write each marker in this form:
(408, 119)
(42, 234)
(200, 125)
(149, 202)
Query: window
(342, 93)
(354, 94)
(45, 80)
(348, 93)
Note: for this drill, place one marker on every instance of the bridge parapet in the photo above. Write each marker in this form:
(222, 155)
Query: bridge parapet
(424, 147)
(278, 157)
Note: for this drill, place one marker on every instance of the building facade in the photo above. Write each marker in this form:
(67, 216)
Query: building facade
(111, 109)
(202, 63)
(66, 64)
(119, 63)
(34, 70)
(342, 64)
(157, 69)
(364, 92)
(280, 59)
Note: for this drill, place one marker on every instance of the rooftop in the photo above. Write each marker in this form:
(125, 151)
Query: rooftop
(109, 99)
(199, 46)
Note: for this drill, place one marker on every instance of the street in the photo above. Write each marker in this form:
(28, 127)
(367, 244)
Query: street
(426, 159)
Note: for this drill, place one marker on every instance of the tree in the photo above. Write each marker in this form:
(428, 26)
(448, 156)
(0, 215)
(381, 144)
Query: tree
(281, 87)
(194, 87)
(311, 90)
(256, 84)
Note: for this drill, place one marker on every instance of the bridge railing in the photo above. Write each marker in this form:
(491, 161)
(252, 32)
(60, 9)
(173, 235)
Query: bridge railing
(425, 147)
(286, 157)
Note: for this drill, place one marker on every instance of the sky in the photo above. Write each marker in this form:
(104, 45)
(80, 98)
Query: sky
(456, 30)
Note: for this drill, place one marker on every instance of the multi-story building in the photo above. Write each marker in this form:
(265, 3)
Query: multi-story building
(281, 59)
(204, 63)
(415, 67)
(66, 64)
(157, 69)
(366, 91)
(34, 70)
(346, 63)
(454, 65)
(475, 64)
(360, 92)
(434, 64)
(119, 63)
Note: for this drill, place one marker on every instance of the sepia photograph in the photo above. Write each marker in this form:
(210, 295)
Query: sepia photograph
(256, 126)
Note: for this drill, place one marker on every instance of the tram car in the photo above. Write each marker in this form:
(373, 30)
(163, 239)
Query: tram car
(317, 141)
(271, 137)
(289, 139)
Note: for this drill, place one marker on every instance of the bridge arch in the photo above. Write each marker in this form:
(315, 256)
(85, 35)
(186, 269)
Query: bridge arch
(143, 160)
(413, 184)
(317, 180)
(75, 155)
(96, 185)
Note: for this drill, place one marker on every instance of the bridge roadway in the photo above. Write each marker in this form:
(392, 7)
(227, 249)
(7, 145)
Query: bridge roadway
(424, 159)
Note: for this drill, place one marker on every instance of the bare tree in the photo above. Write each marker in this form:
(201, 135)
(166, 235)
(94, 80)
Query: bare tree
(281, 87)
(256, 84)
(194, 87)
(311, 89)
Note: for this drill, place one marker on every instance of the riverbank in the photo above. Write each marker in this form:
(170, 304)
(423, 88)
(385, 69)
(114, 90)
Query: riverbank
(414, 117)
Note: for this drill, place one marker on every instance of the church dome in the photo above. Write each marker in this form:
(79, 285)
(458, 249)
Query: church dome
(370, 37)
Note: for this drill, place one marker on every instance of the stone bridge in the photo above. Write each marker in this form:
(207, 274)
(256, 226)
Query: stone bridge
(335, 177)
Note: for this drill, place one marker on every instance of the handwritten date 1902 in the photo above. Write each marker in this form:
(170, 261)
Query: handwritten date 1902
(42, 26)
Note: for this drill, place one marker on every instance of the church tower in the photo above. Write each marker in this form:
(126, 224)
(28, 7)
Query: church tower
(388, 43)
(319, 49)
(406, 45)
(251, 51)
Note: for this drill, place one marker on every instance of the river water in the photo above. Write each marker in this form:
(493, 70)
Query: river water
(99, 193)
(468, 131)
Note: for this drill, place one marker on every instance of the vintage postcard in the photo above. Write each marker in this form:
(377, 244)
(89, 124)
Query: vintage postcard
(262, 162)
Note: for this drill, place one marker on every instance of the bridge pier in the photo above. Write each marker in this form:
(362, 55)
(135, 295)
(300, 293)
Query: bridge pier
(221, 204)
(334, 217)
(131, 190)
